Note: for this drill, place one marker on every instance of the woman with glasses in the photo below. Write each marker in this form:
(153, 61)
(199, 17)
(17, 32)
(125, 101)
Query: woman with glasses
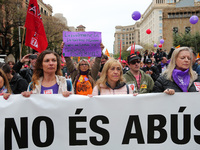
(83, 76)
(136, 78)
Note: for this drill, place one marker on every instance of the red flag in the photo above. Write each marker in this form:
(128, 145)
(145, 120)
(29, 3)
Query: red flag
(35, 34)
(120, 54)
(133, 49)
(88, 59)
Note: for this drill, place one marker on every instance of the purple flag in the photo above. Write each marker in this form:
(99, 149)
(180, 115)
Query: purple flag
(83, 44)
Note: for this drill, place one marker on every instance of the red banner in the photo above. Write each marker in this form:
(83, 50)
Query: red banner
(35, 33)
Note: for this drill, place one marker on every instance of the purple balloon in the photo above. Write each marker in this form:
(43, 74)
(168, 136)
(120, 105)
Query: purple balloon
(136, 15)
(194, 19)
(155, 45)
(162, 41)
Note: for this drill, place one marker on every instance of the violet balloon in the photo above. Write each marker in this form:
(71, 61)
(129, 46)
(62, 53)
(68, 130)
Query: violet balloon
(194, 19)
(136, 15)
(155, 45)
(162, 41)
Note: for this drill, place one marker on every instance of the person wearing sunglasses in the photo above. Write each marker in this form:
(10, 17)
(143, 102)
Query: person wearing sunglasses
(136, 78)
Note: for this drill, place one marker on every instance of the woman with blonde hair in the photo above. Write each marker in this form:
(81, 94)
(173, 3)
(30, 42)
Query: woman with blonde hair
(111, 81)
(179, 76)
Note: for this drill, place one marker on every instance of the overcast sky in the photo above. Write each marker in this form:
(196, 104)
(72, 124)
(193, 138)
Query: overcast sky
(101, 16)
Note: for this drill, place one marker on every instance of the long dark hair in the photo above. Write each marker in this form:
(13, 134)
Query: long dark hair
(38, 71)
(3, 75)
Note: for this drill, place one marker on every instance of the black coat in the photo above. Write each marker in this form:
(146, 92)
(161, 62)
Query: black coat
(26, 73)
(18, 84)
(162, 84)
(155, 71)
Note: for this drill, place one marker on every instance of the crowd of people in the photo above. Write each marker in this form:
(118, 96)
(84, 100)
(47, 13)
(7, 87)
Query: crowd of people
(176, 72)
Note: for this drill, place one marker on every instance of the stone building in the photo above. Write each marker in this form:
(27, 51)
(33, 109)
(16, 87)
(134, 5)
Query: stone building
(152, 19)
(80, 28)
(127, 35)
(176, 20)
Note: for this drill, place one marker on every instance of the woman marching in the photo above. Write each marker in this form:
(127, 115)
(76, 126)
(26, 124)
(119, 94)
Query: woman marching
(179, 76)
(111, 81)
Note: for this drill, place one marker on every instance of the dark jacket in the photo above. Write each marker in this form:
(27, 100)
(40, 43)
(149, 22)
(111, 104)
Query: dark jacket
(196, 68)
(162, 84)
(159, 66)
(155, 71)
(18, 84)
(26, 73)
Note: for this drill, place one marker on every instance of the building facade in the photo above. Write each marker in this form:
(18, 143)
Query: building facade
(80, 28)
(176, 20)
(45, 9)
(127, 35)
(153, 19)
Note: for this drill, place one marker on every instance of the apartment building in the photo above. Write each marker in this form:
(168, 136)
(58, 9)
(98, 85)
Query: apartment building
(127, 35)
(152, 19)
(176, 20)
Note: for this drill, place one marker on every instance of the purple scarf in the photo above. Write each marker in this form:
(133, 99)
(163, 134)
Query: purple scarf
(181, 78)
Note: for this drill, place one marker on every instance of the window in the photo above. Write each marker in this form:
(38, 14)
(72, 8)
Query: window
(41, 10)
(160, 12)
(160, 31)
(177, 15)
(160, 25)
(160, 18)
(170, 1)
(175, 30)
(187, 29)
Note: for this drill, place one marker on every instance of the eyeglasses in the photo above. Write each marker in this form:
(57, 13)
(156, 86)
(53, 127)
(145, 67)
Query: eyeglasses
(84, 65)
(134, 62)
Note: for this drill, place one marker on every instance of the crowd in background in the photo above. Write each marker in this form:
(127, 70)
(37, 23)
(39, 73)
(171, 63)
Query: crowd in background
(177, 71)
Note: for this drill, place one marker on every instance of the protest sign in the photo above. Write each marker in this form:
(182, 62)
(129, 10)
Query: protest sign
(119, 122)
(83, 44)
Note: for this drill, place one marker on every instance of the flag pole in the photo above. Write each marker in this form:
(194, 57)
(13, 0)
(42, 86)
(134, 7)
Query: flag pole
(120, 54)
(20, 56)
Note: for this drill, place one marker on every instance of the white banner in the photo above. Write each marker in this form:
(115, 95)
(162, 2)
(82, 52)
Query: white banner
(119, 122)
